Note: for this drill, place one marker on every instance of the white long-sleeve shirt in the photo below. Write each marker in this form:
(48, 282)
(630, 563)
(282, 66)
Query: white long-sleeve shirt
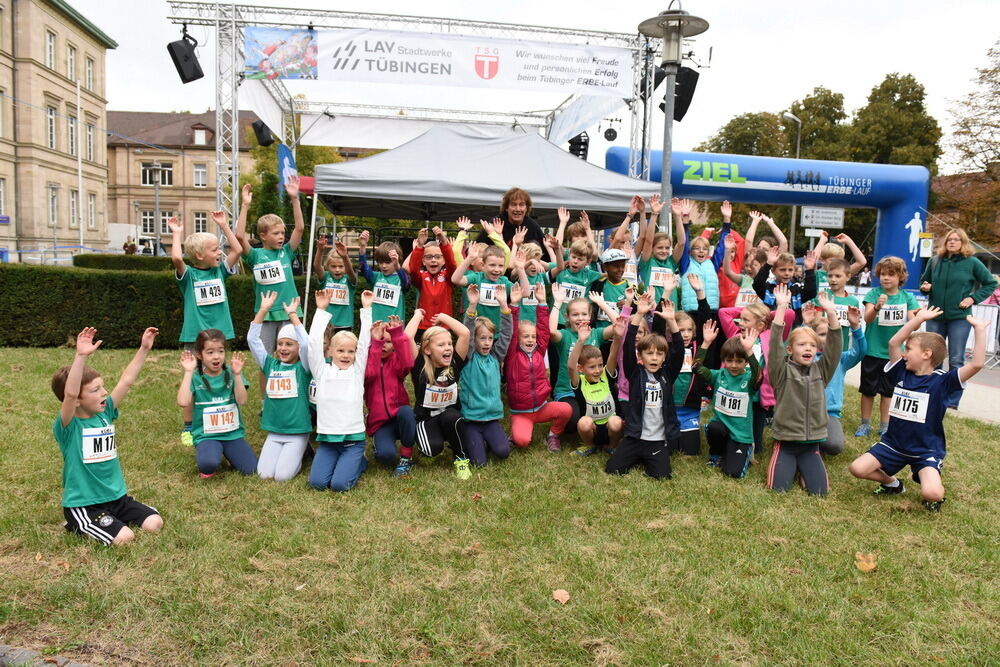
(339, 392)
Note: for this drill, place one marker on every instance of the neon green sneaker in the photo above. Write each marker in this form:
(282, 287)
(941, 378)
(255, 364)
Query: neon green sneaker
(187, 439)
(462, 469)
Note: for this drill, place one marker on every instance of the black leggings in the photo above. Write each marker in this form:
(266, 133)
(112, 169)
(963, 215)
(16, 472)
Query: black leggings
(574, 417)
(760, 416)
(791, 457)
(444, 426)
(688, 443)
(653, 455)
(735, 456)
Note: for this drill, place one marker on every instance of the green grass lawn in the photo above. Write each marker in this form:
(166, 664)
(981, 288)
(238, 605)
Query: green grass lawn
(429, 570)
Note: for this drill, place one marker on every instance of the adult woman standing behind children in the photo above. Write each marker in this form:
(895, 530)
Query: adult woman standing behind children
(954, 280)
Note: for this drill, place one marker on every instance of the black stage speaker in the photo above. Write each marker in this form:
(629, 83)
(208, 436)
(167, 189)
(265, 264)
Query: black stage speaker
(186, 62)
(263, 134)
(687, 79)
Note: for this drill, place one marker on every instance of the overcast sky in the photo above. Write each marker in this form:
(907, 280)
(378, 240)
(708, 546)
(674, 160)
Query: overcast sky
(766, 53)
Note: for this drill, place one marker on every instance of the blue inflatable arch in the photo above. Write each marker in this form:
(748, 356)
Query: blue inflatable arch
(898, 192)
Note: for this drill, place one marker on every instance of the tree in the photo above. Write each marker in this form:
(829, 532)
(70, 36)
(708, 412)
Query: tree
(750, 134)
(824, 133)
(894, 127)
(976, 139)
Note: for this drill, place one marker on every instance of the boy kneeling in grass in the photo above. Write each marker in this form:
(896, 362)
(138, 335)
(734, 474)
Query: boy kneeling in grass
(915, 436)
(95, 500)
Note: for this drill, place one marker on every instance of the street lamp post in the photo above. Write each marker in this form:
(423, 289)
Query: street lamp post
(156, 208)
(671, 26)
(795, 209)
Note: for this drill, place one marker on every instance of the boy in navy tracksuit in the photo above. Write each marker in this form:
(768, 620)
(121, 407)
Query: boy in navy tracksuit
(650, 419)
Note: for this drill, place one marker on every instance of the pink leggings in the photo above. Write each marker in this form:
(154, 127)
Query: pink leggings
(523, 423)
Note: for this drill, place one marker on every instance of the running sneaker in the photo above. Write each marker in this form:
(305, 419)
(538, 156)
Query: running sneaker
(863, 431)
(204, 475)
(584, 450)
(187, 439)
(553, 442)
(403, 468)
(934, 505)
(714, 462)
(462, 469)
(882, 430)
(884, 490)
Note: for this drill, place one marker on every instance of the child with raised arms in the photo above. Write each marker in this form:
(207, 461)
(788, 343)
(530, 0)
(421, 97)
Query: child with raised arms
(594, 379)
(800, 380)
(203, 285)
(215, 392)
(652, 366)
(285, 414)
(528, 386)
(95, 499)
(340, 385)
(489, 279)
(837, 275)
(734, 390)
(390, 417)
(706, 265)
(537, 274)
(658, 260)
(782, 266)
(389, 284)
(335, 272)
(915, 436)
(689, 388)
(479, 386)
(887, 309)
(431, 265)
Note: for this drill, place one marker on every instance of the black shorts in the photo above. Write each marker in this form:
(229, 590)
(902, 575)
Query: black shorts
(601, 436)
(103, 521)
(873, 379)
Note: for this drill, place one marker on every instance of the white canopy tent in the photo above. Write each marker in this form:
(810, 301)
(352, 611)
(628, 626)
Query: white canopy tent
(451, 171)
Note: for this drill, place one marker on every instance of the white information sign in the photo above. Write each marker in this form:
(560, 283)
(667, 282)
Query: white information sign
(822, 217)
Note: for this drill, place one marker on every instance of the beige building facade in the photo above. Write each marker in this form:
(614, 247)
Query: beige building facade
(46, 47)
(179, 150)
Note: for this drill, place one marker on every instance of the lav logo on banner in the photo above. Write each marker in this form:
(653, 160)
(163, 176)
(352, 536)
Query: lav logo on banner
(378, 56)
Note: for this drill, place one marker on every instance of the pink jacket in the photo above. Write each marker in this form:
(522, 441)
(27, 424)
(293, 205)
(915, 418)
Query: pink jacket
(384, 390)
(993, 299)
(729, 328)
(528, 387)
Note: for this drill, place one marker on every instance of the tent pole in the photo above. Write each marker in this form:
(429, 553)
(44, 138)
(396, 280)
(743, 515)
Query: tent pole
(309, 251)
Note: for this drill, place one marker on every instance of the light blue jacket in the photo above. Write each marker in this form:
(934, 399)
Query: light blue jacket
(849, 359)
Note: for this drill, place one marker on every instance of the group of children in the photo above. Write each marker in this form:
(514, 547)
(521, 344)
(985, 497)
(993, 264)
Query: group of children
(627, 356)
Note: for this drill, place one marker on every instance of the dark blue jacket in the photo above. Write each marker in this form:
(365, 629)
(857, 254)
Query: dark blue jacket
(637, 385)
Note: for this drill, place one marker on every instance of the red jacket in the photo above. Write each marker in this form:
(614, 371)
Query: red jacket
(435, 290)
(384, 390)
(528, 386)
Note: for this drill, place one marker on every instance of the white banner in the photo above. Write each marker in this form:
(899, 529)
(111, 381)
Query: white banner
(473, 62)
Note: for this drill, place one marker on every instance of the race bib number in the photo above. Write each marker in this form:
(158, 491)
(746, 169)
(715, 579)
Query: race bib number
(312, 391)
(488, 294)
(688, 360)
(842, 314)
(654, 395)
(438, 398)
(602, 316)
(282, 384)
(602, 409)
(529, 300)
(746, 297)
(340, 296)
(99, 444)
(269, 273)
(220, 419)
(386, 294)
(823, 286)
(631, 272)
(572, 291)
(658, 276)
(208, 292)
(909, 405)
(731, 403)
(892, 315)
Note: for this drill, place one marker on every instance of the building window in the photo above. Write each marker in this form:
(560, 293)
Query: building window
(149, 173)
(164, 216)
(201, 175)
(3, 98)
(88, 72)
(148, 224)
(53, 206)
(50, 49)
(91, 210)
(71, 62)
(50, 120)
(166, 173)
(71, 133)
(74, 207)
(201, 221)
(3, 196)
(201, 137)
(90, 141)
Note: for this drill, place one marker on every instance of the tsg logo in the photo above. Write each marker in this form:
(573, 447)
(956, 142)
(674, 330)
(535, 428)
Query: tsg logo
(487, 65)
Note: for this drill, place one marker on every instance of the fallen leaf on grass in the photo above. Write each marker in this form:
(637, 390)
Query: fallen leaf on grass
(477, 496)
(38, 557)
(364, 661)
(63, 564)
(794, 570)
(561, 596)
(865, 562)
(472, 549)
(300, 587)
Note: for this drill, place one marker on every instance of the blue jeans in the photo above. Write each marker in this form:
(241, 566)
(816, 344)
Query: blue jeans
(209, 453)
(337, 465)
(956, 332)
(402, 427)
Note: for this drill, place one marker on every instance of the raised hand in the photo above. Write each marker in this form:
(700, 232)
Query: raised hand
(782, 296)
(747, 339)
(219, 218)
(655, 205)
(500, 294)
(563, 214)
(809, 314)
(394, 257)
(421, 237)
(341, 249)
(148, 337)
(928, 313)
(675, 206)
(755, 216)
(687, 207)
(175, 225)
(515, 294)
(498, 226)
(809, 261)
(979, 325)
(85, 344)
(322, 298)
(825, 302)
(669, 283)
(727, 211)
(363, 240)
(666, 310)
(540, 292)
(268, 299)
(189, 363)
(292, 185)
(558, 294)
(291, 307)
(583, 331)
(464, 223)
(439, 234)
(773, 253)
(621, 326)
(519, 235)
(645, 304)
(378, 330)
(472, 295)
(730, 244)
(709, 332)
(236, 362)
(247, 194)
(394, 322)
(519, 259)
(418, 315)
(629, 297)
(633, 205)
(321, 243)
(552, 242)
(854, 316)
(367, 298)
(596, 297)
(695, 281)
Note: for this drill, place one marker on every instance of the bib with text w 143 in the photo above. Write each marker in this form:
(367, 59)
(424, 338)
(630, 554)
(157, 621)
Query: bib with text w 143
(99, 444)
(282, 384)
(269, 273)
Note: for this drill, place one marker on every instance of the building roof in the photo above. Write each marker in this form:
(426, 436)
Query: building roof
(169, 129)
(82, 21)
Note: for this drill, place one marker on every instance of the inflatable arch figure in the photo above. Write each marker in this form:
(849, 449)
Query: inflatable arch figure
(898, 192)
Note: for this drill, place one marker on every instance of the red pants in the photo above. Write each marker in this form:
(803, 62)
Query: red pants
(523, 423)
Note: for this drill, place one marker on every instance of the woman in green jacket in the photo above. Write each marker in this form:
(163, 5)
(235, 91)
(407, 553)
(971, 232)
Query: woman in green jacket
(954, 280)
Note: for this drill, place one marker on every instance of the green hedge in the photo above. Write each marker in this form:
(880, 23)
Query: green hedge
(122, 262)
(46, 306)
